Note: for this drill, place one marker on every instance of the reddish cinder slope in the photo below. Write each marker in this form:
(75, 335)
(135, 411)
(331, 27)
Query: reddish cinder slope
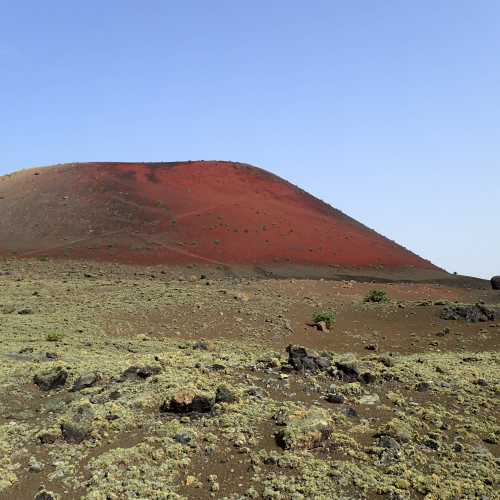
(205, 212)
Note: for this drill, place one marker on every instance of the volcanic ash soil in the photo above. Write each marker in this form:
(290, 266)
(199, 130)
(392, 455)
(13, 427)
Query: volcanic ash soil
(119, 382)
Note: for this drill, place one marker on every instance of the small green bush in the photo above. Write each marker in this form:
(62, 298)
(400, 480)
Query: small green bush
(55, 336)
(377, 296)
(328, 317)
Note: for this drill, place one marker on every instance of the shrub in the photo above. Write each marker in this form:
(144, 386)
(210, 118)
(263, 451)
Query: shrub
(54, 336)
(328, 317)
(377, 296)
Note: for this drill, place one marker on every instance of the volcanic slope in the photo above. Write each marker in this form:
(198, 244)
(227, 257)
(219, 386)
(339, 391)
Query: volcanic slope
(205, 212)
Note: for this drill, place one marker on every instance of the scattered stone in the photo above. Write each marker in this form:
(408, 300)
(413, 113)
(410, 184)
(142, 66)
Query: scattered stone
(396, 429)
(8, 309)
(49, 436)
(304, 359)
(369, 399)
(304, 429)
(322, 327)
(388, 443)
(349, 369)
(335, 398)
(25, 310)
(350, 412)
(78, 426)
(188, 402)
(114, 395)
(183, 438)
(201, 345)
(217, 367)
(44, 494)
(35, 465)
(51, 379)
(432, 444)
(443, 332)
(86, 380)
(140, 372)
(225, 395)
(372, 347)
(368, 377)
(422, 386)
(386, 360)
(471, 313)
(482, 382)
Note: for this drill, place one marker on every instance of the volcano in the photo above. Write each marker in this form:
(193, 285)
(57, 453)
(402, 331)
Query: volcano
(202, 212)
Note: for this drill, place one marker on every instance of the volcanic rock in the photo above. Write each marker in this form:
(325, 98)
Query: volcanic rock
(188, 402)
(77, 427)
(225, 395)
(304, 429)
(495, 282)
(471, 313)
(301, 358)
(51, 379)
(44, 494)
(169, 206)
(86, 380)
(140, 372)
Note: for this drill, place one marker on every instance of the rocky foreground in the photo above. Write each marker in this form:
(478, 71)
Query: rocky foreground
(119, 384)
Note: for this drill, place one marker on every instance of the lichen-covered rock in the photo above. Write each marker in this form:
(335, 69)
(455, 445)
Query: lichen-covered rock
(51, 379)
(397, 429)
(85, 380)
(471, 313)
(225, 395)
(44, 494)
(304, 429)
(78, 426)
(188, 401)
(49, 435)
(140, 372)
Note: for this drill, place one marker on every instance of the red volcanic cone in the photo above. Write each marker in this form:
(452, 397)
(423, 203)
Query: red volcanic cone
(175, 213)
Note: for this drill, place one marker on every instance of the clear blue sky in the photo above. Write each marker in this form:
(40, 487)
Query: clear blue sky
(388, 110)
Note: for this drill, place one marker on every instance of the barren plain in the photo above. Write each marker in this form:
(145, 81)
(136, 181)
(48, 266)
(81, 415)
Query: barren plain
(122, 382)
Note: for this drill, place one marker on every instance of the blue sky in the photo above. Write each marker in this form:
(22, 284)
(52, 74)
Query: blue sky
(388, 110)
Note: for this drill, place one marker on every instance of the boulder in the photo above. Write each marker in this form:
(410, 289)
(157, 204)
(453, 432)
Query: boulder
(304, 359)
(86, 380)
(44, 494)
(349, 369)
(51, 379)
(470, 313)
(495, 282)
(77, 427)
(188, 402)
(140, 372)
(225, 395)
(304, 429)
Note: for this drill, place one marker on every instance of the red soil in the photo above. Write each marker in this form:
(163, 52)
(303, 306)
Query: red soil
(178, 213)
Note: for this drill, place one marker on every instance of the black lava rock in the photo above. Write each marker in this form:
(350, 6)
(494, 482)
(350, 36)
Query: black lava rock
(140, 372)
(225, 395)
(302, 359)
(86, 380)
(471, 313)
(188, 402)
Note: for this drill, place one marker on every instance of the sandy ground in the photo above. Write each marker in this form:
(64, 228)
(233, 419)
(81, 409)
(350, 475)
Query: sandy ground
(119, 382)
